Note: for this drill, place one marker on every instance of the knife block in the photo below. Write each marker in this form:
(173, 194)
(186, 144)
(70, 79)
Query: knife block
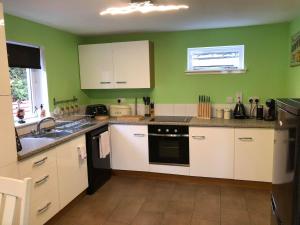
(204, 110)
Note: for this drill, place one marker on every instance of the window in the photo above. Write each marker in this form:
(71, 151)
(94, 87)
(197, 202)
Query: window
(219, 59)
(28, 81)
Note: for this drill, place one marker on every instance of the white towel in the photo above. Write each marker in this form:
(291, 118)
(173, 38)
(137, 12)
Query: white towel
(104, 145)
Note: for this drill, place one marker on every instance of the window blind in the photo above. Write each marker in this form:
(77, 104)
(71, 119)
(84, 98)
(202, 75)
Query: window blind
(23, 56)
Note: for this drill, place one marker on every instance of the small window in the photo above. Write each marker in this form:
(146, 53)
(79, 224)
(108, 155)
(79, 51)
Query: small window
(28, 84)
(219, 59)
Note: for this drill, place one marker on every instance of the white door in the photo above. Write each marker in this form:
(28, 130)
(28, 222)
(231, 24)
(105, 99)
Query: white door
(254, 154)
(96, 66)
(8, 149)
(212, 152)
(72, 170)
(4, 78)
(132, 64)
(129, 147)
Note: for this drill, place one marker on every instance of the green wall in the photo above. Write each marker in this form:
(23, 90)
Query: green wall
(266, 59)
(61, 55)
(294, 72)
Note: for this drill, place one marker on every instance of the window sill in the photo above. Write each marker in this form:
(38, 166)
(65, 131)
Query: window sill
(216, 72)
(29, 122)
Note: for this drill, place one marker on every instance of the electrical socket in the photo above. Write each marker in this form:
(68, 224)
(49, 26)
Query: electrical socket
(121, 100)
(229, 100)
(251, 98)
(256, 98)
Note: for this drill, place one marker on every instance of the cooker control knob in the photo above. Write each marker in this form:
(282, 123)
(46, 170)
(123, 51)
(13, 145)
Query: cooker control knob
(175, 131)
(159, 130)
(167, 130)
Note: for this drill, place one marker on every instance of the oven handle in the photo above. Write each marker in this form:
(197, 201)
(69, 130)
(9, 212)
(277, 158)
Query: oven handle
(168, 135)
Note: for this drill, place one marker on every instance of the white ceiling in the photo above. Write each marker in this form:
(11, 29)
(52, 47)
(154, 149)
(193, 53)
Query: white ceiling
(82, 16)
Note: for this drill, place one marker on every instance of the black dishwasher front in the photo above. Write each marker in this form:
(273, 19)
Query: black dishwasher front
(99, 169)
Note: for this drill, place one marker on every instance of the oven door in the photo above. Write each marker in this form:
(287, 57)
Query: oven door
(169, 149)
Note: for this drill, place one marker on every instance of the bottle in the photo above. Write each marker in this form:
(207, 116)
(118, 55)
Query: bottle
(43, 111)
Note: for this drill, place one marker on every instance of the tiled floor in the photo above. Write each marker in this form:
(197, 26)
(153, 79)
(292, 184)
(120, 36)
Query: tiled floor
(133, 201)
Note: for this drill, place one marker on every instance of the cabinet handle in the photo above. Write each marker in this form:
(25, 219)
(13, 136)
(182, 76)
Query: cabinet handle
(44, 209)
(40, 162)
(105, 82)
(199, 137)
(246, 139)
(139, 135)
(121, 82)
(43, 180)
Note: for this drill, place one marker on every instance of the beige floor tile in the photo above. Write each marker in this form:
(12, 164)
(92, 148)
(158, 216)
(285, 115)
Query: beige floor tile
(154, 206)
(260, 218)
(183, 218)
(234, 217)
(196, 220)
(126, 210)
(180, 206)
(147, 218)
(233, 202)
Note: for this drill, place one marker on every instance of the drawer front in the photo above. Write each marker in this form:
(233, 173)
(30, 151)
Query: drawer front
(44, 184)
(38, 165)
(43, 210)
(254, 154)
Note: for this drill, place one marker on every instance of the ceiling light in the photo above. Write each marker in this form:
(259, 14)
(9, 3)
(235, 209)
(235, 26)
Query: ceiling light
(142, 7)
(2, 22)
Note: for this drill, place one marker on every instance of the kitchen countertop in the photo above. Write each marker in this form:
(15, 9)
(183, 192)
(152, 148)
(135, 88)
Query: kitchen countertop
(33, 146)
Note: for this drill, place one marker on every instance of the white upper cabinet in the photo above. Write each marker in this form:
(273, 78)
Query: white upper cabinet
(115, 65)
(8, 149)
(212, 152)
(132, 64)
(129, 147)
(4, 77)
(254, 154)
(96, 66)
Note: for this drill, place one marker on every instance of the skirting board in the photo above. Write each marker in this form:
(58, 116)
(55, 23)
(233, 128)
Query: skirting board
(195, 180)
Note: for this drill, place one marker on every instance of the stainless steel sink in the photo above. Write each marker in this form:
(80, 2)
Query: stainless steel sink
(52, 134)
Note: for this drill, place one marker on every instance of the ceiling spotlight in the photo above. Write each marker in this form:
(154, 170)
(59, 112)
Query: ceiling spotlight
(142, 7)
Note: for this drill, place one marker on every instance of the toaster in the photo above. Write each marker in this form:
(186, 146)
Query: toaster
(96, 110)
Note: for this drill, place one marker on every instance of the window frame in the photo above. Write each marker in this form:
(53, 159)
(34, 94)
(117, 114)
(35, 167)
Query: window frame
(240, 48)
(36, 77)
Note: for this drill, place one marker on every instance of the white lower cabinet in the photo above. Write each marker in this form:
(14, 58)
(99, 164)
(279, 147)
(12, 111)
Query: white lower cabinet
(44, 198)
(129, 147)
(59, 175)
(72, 170)
(211, 152)
(254, 154)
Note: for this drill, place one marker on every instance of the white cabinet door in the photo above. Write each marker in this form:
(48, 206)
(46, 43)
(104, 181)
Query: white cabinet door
(8, 149)
(132, 64)
(129, 147)
(4, 78)
(72, 170)
(212, 152)
(96, 66)
(42, 169)
(254, 154)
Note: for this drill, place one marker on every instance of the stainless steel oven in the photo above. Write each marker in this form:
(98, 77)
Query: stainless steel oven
(169, 144)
